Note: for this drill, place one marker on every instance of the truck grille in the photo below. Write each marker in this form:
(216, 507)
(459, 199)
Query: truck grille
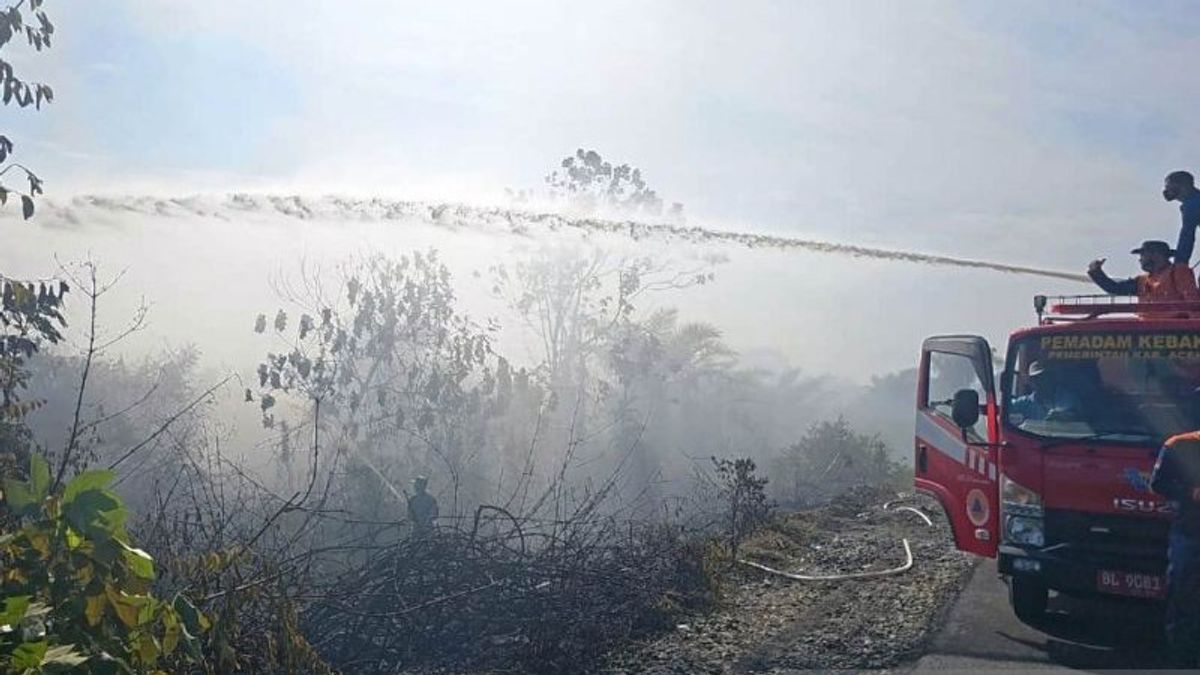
(1092, 535)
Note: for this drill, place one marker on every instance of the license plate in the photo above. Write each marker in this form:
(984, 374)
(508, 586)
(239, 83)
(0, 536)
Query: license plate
(1134, 584)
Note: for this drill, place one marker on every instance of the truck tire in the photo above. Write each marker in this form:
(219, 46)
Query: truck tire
(1028, 598)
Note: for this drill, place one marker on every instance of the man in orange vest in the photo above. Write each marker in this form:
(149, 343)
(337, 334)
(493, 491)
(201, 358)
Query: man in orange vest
(1163, 281)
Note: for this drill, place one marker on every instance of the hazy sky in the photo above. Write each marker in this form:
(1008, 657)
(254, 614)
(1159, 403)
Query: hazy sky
(1026, 132)
(968, 127)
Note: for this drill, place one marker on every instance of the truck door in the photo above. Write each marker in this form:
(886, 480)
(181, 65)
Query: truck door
(962, 475)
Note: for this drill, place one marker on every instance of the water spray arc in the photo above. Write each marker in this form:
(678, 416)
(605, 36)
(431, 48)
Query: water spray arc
(496, 221)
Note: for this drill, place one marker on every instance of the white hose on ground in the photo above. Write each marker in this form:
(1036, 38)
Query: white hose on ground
(915, 510)
(902, 497)
(908, 563)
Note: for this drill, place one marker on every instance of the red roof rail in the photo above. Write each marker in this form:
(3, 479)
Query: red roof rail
(1085, 307)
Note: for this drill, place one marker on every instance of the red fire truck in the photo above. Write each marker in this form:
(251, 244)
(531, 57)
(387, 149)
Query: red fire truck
(1047, 466)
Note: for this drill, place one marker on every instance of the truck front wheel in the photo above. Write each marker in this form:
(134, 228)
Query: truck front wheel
(1027, 597)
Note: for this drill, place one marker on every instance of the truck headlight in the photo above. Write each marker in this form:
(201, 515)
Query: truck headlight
(1017, 499)
(1025, 530)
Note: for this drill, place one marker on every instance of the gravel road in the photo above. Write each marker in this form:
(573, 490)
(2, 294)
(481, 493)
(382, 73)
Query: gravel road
(767, 624)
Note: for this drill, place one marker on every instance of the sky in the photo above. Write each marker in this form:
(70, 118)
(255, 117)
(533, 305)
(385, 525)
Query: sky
(1025, 132)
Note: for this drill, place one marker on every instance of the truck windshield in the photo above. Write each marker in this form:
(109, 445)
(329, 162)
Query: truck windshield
(1120, 386)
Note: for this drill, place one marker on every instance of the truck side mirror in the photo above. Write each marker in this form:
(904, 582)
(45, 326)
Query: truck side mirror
(964, 408)
(1006, 381)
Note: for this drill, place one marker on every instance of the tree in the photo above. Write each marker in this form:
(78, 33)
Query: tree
(670, 351)
(581, 307)
(665, 376)
(30, 310)
(575, 301)
(588, 182)
(389, 365)
(22, 92)
(30, 316)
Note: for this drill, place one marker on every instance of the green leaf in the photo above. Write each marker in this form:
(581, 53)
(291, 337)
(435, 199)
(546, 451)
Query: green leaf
(193, 619)
(18, 495)
(28, 655)
(172, 631)
(139, 562)
(148, 609)
(97, 513)
(39, 475)
(88, 480)
(147, 649)
(12, 611)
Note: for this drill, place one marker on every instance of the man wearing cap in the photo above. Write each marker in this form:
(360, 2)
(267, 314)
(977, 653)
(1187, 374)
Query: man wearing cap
(1163, 280)
(1180, 186)
(422, 508)
(1048, 399)
(1177, 477)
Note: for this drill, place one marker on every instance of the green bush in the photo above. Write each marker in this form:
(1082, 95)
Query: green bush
(75, 592)
(830, 459)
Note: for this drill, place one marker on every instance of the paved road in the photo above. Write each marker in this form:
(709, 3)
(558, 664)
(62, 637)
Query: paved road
(982, 633)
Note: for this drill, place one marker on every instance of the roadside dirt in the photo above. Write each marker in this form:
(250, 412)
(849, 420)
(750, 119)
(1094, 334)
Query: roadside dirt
(768, 624)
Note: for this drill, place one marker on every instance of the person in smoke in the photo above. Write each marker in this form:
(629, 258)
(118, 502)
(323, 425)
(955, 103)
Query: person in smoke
(1177, 477)
(1048, 398)
(1162, 281)
(422, 508)
(1180, 186)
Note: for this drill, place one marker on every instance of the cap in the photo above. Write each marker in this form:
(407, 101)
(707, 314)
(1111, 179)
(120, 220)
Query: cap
(1036, 368)
(1154, 246)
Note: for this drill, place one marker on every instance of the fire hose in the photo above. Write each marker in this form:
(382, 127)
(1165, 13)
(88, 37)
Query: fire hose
(917, 511)
(907, 565)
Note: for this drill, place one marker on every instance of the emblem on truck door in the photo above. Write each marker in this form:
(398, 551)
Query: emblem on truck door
(977, 507)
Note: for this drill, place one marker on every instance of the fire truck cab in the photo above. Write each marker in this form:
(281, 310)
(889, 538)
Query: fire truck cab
(1046, 466)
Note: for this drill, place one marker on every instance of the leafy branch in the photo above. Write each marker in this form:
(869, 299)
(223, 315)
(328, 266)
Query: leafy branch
(29, 315)
(75, 589)
(24, 93)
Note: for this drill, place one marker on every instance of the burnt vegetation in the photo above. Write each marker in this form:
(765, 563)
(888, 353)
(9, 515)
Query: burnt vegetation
(595, 494)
